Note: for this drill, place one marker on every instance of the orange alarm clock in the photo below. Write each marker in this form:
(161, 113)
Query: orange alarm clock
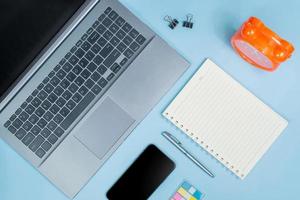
(260, 46)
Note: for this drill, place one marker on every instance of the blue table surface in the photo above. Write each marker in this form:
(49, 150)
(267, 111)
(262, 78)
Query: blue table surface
(277, 174)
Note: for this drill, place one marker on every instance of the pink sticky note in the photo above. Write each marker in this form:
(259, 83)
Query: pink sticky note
(177, 196)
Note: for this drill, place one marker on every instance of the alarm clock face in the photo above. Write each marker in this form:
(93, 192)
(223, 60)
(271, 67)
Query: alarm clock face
(253, 54)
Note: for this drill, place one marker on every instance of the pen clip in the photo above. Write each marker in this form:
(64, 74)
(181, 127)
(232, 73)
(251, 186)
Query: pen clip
(173, 138)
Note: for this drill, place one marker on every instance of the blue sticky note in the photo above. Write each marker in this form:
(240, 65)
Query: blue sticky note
(197, 194)
(185, 185)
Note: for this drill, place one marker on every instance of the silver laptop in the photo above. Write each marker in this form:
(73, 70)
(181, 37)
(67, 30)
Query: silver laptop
(84, 90)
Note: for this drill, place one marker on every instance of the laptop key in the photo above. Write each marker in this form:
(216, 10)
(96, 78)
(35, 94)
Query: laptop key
(127, 27)
(13, 117)
(7, 123)
(67, 95)
(123, 62)
(113, 28)
(33, 119)
(101, 69)
(127, 40)
(12, 129)
(93, 37)
(83, 90)
(85, 73)
(86, 46)
(121, 47)
(17, 123)
(128, 53)
(46, 146)
(28, 139)
(36, 102)
(102, 82)
(73, 49)
(40, 112)
(61, 74)
(107, 22)
(54, 109)
(107, 10)
(58, 90)
(101, 17)
(20, 133)
(52, 126)
(18, 111)
(134, 46)
(83, 62)
(48, 116)
(79, 53)
(120, 21)
(71, 104)
(110, 76)
(52, 139)
(89, 55)
(65, 83)
(61, 102)
(77, 110)
(115, 68)
(58, 119)
(121, 34)
(95, 24)
(91, 67)
(133, 33)
(95, 76)
(67, 67)
(77, 97)
(35, 130)
(77, 69)
(27, 126)
(45, 133)
(59, 132)
(36, 143)
(73, 60)
(40, 153)
(52, 97)
(89, 83)
(106, 50)
(42, 123)
(71, 76)
(112, 58)
(101, 29)
(98, 60)
(96, 89)
(42, 95)
(48, 88)
(102, 41)
(108, 35)
(79, 81)
(113, 15)
(96, 48)
(46, 104)
(73, 88)
(140, 39)
(23, 116)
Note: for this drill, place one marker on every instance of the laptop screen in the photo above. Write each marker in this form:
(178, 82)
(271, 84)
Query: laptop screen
(26, 27)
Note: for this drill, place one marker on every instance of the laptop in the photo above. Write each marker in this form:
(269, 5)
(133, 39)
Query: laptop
(76, 78)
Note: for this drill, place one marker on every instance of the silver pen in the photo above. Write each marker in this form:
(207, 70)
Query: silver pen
(178, 145)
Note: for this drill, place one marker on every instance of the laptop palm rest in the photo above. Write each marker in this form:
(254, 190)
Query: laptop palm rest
(104, 127)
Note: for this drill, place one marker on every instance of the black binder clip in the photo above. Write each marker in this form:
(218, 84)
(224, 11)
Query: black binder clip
(188, 22)
(172, 22)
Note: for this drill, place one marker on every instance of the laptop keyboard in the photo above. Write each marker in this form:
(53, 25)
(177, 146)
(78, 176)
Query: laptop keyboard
(86, 70)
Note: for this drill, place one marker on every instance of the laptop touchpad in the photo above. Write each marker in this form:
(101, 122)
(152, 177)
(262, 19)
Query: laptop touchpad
(104, 127)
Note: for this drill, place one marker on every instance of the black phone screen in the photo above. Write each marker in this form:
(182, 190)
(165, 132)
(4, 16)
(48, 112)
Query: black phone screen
(141, 179)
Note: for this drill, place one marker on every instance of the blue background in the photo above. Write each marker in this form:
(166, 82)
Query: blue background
(277, 174)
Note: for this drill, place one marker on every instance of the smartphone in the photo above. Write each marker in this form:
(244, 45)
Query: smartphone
(142, 178)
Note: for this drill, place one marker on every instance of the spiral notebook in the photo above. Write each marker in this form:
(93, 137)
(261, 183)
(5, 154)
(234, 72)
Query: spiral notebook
(225, 119)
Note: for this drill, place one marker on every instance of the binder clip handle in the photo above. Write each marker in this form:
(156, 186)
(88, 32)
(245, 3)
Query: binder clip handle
(172, 22)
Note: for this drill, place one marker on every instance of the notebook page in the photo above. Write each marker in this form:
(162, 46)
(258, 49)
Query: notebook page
(225, 119)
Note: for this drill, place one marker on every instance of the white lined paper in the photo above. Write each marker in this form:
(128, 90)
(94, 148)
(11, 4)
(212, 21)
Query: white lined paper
(225, 119)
